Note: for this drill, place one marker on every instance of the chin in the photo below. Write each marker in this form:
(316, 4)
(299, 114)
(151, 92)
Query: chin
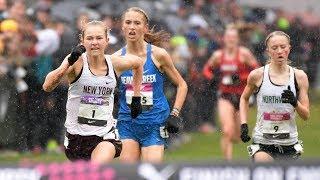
(95, 53)
(132, 39)
(281, 61)
(231, 46)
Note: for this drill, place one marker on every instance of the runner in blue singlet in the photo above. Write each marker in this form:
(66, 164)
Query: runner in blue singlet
(144, 137)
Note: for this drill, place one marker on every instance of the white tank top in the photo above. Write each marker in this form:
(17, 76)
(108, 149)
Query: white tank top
(91, 98)
(275, 120)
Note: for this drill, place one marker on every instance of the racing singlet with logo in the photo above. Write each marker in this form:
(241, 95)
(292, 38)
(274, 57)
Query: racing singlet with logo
(155, 107)
(275, 120)
(234, 75)
(90, 102)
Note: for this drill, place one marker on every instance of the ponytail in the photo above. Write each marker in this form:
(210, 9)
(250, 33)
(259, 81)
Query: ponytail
(157, 38)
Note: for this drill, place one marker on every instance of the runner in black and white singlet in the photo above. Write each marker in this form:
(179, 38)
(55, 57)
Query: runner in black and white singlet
(91, 128)
(275, 119)
(281, 92)
(90, 102)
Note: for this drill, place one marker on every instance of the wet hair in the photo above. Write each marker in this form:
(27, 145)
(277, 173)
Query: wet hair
(93, 23)
(232, 27)
(137, 9)
(274, 33)
(156, 38)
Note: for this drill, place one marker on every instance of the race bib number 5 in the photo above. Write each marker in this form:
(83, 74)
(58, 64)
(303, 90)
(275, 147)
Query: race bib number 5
(146, 94)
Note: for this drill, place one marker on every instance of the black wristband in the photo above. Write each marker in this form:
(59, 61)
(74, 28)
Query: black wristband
(136, 107)
(244, 128)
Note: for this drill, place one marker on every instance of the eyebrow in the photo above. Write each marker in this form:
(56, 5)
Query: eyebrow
(95, 35)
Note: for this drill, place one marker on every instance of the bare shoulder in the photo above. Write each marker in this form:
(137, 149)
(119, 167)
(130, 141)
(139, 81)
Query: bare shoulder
(256, 75)
(114, 57)
(217, 53)
(161, 55)
(300, 74)
(301, 77)
(159, 52)
(215, 57)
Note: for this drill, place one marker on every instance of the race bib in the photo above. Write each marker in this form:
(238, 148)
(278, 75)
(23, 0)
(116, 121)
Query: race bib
(276, 123)
(226, 80)
(146, 94)
(164, 132)
(114, 134)
(94, 107)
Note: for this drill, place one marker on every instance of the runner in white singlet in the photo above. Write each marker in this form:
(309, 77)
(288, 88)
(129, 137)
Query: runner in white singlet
(91, 129)
(281, 92)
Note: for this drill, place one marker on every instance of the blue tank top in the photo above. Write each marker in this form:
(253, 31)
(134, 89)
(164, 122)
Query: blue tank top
(155, 107)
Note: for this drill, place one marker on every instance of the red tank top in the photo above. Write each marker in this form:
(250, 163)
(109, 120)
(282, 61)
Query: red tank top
(233, 75)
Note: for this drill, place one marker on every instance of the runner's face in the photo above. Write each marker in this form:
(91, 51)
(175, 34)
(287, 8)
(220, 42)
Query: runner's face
(231, 38)
(278, 48)
(134, 26)
(95, 40)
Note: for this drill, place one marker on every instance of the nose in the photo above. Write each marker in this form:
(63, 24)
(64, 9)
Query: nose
(94, 41)
(131, 26)
(279, 50)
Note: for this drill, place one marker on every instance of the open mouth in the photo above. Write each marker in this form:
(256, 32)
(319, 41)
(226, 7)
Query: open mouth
(132, 33)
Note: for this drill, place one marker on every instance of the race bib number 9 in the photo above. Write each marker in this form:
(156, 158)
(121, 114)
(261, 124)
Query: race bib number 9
(276, 123)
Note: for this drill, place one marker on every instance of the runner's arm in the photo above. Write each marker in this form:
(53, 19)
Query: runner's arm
(302, 107)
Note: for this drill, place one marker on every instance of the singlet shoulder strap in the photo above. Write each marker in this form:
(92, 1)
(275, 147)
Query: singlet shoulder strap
(265, 74)
(294, 79)
(291, 74)
(109, 64)
(85, 62)
(149, 51)
(222, 57)
(238, 55)
(123, 51)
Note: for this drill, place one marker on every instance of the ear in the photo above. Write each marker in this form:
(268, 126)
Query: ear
(267, 51)
(146, 28)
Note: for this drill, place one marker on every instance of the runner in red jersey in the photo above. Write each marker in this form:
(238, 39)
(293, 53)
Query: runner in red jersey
(234, 63)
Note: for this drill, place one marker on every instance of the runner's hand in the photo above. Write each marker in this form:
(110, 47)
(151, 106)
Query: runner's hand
(174, 124)
(244, 133)
(288, 97)
(136, 107)
(76, 53)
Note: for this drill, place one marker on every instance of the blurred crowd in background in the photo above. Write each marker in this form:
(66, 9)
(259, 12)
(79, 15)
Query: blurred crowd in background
(36, 35)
